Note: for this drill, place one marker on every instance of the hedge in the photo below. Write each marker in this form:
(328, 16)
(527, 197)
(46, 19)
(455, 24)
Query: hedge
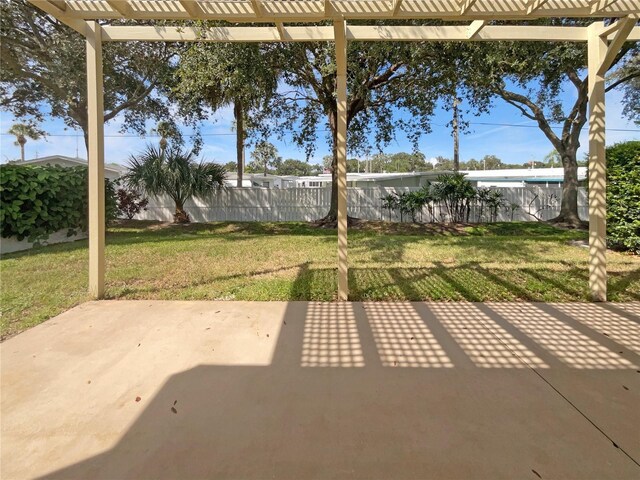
(36, 201)
(623, 196)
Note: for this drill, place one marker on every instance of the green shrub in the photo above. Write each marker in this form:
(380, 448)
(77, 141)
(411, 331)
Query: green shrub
(623, 196)
(456, 192)
(38, 201)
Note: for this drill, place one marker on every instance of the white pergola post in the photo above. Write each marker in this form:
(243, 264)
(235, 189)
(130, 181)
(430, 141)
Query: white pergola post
(597, 47)
(341, 147)
(95, 107)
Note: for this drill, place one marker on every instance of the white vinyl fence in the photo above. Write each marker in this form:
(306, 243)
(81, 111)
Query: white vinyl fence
(306, 204)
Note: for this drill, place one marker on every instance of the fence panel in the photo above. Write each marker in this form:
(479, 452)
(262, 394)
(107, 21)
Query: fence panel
(306, 204)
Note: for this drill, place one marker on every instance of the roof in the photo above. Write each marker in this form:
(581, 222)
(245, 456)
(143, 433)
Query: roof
(523, 174)
(113, 167)
(372, 177)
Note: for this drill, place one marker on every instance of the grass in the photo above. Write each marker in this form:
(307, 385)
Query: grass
(293, 261)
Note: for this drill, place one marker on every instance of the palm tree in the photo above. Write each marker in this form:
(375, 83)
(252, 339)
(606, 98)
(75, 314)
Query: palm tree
(237, 75)
(22, 131)
(176, 174)
(164, 129)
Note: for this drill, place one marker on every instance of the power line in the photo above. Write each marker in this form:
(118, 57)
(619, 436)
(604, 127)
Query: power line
(141, 137)
(556, 127)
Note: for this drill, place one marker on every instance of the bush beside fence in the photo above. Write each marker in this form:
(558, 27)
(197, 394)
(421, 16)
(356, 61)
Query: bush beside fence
(37, 201)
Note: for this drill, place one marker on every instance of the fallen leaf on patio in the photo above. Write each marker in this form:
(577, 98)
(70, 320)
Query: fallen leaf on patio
(88, 381)
(537, 474)
(174, 403)
(615, 444)
(138, 399)
(173, 409)
(625, 387)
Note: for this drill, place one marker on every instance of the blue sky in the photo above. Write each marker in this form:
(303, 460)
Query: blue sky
(515, 144)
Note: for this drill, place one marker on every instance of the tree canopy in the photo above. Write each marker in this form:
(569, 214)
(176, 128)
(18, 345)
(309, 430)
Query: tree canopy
(531, 76)
(240, 75)
(35, 83)
(383, 77)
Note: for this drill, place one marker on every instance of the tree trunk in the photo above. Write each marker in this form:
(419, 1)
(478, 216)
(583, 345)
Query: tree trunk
(332, 216)
(569, 206)
(330, 220)
(22, 143)
(181, 216)
(239, 117)
(163, 146)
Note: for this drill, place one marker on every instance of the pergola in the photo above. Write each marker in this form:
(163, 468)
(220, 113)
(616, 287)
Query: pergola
(473, 23)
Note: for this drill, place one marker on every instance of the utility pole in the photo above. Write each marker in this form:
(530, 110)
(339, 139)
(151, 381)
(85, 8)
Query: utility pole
(456, 134)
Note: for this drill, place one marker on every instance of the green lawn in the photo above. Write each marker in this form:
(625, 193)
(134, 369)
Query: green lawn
(293, 261)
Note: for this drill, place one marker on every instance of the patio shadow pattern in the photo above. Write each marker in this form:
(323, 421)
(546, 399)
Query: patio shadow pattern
(302, 390)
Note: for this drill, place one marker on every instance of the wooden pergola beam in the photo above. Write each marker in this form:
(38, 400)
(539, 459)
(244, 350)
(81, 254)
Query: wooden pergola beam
(354, 33)
(340, 32)
(626, 25)
(597, 48)
(217, 34)
(58, 10)
(95, 151)
(475, 27)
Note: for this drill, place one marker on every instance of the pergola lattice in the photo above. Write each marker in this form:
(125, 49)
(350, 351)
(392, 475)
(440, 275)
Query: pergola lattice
(473, 17)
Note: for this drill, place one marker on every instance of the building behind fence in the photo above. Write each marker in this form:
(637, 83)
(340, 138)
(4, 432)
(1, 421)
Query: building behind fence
(307, 204)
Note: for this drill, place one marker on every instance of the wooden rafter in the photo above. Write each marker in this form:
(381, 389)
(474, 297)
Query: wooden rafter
(311, 11)
(257, 7)
(534, 5)
(599, 5)
(122, 6)
(61, 4)
(466, 6)
(193, 8)
(397, 4)
(281, 31)
(328, 8)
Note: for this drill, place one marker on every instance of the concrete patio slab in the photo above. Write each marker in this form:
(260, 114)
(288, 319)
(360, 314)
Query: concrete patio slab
(251, 390)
